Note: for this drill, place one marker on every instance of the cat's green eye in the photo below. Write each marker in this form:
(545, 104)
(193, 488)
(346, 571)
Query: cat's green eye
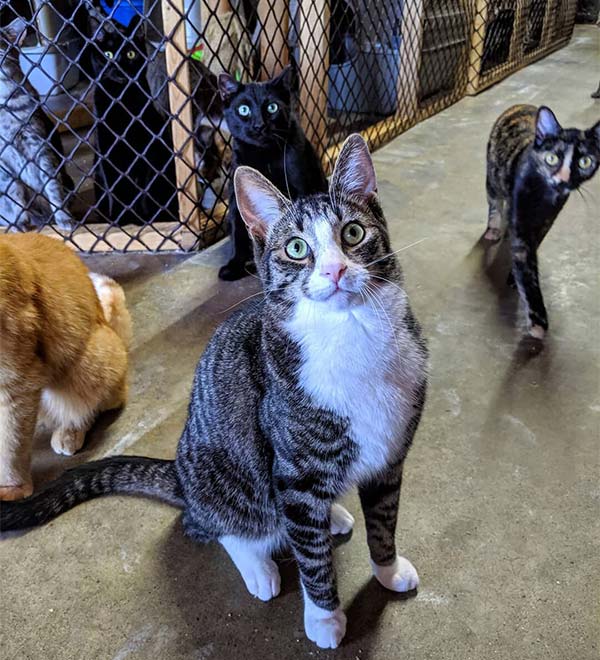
(244, 110)
(353, 233)
(131, 54)
(585, 162)
(551, 159)
(109, 54)
(272, 108)
(296, 248)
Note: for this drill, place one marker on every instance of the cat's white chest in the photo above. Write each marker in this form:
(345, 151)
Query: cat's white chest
(363, 365)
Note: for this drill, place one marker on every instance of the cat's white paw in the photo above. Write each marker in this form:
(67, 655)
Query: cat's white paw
(400, 576)
(326, 629)
(252, 559)
(342, 521)
(262, 579)
(537, 332)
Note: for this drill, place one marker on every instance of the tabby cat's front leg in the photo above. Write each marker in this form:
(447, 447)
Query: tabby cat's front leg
(307, 523)
(380, 499)
(525, 271)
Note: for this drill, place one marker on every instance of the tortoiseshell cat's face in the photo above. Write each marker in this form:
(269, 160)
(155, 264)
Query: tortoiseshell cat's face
(330, 249)
(565, 157)
(118, 53)
(258, 113)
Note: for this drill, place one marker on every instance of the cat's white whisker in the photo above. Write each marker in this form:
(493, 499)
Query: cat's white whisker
(406, 247)
(243, 300)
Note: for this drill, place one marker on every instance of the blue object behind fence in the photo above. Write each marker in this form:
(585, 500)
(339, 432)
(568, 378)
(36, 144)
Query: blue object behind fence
(123, 11)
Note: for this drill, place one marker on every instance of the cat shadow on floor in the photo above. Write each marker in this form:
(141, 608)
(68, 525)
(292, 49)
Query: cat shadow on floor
(47, 465)
(213, 603)
(495, 264)
(368, 606)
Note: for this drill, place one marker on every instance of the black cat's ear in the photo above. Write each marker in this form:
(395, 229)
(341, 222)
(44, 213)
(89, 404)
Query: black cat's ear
(95, 23)
(354, 174)
(286, 80)
(134, 29)
(16, 31)
(546, 125)
(228, 86)
(259, 202)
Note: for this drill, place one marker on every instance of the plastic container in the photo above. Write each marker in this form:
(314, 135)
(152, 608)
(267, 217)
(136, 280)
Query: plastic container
(50, 68)
(367, 83)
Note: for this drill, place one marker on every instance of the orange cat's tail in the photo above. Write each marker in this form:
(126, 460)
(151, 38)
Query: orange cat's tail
(112, 299)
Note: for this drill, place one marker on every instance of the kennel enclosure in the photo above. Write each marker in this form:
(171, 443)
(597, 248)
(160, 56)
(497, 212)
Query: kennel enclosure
(373, 66)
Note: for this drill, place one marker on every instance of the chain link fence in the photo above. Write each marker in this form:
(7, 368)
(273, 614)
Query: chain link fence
(111, 123)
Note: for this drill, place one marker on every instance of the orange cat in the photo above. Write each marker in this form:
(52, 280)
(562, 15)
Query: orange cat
(63, 351)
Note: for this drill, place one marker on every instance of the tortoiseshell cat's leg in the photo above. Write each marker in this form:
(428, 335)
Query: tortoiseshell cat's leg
(496, 225)
(240, 263)
(380, 499)
(529, 225)
(525, 273)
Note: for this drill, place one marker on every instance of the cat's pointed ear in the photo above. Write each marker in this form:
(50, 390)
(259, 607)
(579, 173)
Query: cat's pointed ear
(96, 24)
(133, 29)
(595, 132)
(287, 79)
(546, 125)
(16, 31)
(354, 174)
(228, 86)
(259, 202)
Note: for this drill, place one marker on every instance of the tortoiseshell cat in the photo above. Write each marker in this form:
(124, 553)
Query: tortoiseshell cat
(299, 397)
(268, 137)
(533, 164)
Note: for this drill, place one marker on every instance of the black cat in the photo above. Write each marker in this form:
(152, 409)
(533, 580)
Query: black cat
(266, 136)
(134, 170)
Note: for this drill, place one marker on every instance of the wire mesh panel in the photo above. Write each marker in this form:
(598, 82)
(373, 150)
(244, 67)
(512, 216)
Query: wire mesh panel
(509, 34)
(112, 129)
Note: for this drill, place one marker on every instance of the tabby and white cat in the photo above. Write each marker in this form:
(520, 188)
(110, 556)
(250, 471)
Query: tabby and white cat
(533, 164)
(32, 187)
(315, 389)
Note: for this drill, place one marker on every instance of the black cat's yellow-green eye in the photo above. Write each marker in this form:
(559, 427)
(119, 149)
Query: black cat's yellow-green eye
(272, 108)
(297, 248)
(353, 233)
(109, 54)
(244, 110)
(551, 159)
(131, 54)
(585, 162)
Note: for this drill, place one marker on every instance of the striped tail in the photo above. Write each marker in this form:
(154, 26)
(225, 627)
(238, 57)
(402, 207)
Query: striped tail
(131, 475)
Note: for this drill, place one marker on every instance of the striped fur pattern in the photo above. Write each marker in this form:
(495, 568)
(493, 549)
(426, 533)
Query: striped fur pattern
(33, 188)
(124, 475)
(301, 396)
(533, 164)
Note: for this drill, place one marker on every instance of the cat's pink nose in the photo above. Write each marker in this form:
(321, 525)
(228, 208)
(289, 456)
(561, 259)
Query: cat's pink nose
(333, 270)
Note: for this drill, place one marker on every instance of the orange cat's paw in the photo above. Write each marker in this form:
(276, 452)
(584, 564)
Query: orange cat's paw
(9, 493)
(67, 441)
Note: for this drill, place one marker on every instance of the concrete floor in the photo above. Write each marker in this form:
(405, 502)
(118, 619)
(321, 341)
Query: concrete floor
(500, 502)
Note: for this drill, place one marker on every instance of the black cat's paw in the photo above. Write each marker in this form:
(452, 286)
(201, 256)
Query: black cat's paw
(233, 270)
